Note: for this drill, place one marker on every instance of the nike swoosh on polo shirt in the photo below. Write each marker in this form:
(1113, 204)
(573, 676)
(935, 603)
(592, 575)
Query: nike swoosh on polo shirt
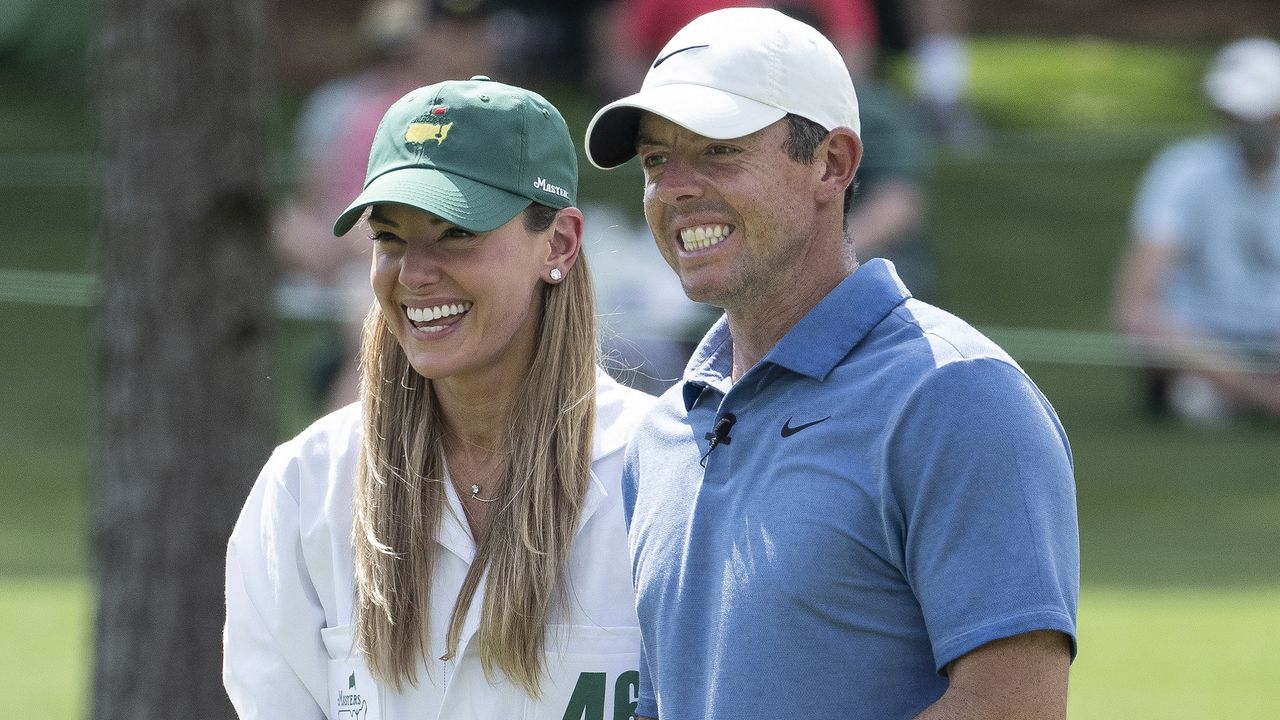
(788, 430)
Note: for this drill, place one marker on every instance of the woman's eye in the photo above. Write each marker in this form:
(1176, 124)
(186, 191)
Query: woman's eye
(383, 236)
(457, 233)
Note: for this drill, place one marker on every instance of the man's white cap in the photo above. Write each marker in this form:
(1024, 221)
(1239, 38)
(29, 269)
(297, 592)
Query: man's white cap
(1244, 79)
(728, 74)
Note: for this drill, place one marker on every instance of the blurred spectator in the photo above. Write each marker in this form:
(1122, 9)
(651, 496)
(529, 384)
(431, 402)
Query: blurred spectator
(936, 34)
(406, 44)
(631, 32)
(1199, 291)
(888, 214)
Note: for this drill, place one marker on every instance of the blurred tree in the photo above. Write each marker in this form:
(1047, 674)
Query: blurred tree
(186, 416)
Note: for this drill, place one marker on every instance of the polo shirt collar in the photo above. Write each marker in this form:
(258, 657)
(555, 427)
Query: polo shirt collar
(826, 334)
(710, 364)
(819, 341)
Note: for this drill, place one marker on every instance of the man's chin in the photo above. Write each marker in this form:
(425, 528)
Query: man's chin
(704, 292)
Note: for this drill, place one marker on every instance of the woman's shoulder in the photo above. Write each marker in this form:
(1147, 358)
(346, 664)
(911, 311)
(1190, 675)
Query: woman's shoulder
(619, 410)
(614, 398)
(330, 440)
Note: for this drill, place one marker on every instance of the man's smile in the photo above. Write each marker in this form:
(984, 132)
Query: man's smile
(704, 236)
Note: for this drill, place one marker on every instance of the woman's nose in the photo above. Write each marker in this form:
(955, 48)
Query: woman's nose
(419, 266)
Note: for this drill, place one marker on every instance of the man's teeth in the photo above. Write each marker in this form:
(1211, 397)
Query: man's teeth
(704, 236)
(418, 315)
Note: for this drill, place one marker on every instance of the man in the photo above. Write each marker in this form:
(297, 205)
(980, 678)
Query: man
(1199, 292)
(853, 505)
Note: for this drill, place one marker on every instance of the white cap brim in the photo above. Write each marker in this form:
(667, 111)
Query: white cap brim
(707, 111)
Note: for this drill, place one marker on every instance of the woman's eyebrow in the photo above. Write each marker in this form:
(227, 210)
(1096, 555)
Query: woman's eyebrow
(378, 217)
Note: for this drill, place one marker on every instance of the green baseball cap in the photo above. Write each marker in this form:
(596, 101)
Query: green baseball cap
(473, 153)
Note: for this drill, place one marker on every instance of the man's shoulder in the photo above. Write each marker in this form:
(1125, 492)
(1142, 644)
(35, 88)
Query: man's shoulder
(919, 333)
(917, 356)
(667, 407)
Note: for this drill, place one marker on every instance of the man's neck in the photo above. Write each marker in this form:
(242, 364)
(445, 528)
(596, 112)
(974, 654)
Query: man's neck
(758, 328)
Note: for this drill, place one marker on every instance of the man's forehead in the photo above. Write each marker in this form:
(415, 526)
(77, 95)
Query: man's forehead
(656, 129)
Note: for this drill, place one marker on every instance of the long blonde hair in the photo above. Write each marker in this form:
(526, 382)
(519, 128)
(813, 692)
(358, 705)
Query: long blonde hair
(399, 495)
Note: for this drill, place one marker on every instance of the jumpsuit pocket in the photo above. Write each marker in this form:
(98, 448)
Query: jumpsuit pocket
(353, 694)
(592, 672)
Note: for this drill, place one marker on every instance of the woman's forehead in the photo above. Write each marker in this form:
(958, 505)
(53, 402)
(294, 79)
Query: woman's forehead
(397, 214)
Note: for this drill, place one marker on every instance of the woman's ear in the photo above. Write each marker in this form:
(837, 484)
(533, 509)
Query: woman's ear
(563, 243)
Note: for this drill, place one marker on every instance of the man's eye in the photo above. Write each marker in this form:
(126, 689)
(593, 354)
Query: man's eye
(653, 160)
(720, 150)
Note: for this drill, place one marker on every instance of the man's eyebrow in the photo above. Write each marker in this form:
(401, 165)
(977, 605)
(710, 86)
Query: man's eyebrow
(646, 140)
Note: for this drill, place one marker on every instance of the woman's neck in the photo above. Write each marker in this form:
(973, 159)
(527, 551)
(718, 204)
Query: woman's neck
(476, 416)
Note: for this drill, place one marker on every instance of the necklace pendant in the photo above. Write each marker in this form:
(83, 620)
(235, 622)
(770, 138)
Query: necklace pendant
(475, 494)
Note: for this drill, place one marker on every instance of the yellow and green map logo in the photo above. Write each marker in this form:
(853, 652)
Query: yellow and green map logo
(428, 127)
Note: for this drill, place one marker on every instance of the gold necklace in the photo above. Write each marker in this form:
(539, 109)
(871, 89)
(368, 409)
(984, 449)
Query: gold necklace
(475, 487)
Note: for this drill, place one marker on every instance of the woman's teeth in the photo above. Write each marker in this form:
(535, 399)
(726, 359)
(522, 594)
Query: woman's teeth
(427, 314)
(704, 236)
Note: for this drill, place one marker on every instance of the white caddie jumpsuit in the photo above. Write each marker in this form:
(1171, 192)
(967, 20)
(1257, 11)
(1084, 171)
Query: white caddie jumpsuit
(288, 637)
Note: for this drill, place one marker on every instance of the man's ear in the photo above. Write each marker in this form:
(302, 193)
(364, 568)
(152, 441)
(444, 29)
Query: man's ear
(563, 242)
(838, 155)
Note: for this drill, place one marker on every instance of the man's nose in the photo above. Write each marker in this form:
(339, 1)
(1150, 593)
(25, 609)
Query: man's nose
(679, 182)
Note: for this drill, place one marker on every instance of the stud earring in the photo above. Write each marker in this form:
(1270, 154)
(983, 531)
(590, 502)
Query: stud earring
(556, 275)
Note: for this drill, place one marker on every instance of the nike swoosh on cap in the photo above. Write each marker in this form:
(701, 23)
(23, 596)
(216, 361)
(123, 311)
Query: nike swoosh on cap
(663, 59)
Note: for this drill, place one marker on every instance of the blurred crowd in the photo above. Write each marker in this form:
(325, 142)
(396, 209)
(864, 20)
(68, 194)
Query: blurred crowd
(1198, 295)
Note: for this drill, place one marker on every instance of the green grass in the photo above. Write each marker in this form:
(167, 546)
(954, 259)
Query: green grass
(45, 623)
(1145, 653)
(1177, 654)
(1086, 83)
(1179, 527)
(1079, 83)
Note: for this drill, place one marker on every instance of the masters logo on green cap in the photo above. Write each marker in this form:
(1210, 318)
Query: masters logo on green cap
(473, 153)
(428, 128)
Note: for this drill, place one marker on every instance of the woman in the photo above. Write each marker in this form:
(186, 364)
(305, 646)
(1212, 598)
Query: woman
(452, 546)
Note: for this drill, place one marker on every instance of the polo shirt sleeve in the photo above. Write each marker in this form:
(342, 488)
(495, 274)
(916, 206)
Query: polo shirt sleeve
(982, 487)
(630, 482)
(646, 702)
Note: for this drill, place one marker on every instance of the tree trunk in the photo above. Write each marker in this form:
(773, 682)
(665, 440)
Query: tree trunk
(186, 414)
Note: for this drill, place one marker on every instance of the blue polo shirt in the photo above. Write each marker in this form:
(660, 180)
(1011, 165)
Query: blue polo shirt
(894, 493)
